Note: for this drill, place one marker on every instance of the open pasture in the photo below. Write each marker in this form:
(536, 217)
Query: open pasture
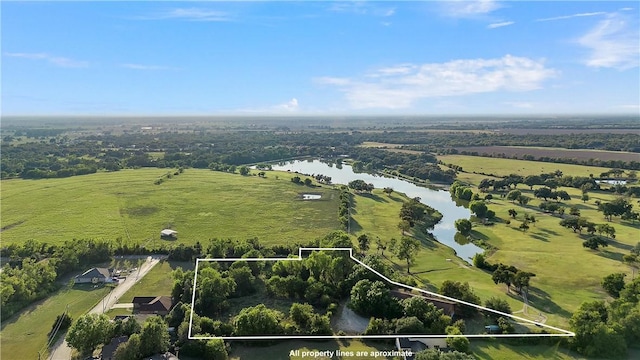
(504, 167)
(580, 154)
(199, 204)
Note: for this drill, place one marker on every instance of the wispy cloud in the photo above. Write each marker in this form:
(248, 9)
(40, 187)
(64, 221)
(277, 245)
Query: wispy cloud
(564, 17)
(146, 67)
(362, 8)
(52, 59)
(613, 43)
(400, 86)
(188, 14)
(466, 8)
(520, 104)
(500, 24)
(291, 105)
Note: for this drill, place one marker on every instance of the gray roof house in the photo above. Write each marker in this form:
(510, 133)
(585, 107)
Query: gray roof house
(94, 276)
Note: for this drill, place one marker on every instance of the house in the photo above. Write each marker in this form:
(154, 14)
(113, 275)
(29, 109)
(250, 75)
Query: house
(109, 350)
(413, 345)
(160, 305)
(94, 276)
(168, 234)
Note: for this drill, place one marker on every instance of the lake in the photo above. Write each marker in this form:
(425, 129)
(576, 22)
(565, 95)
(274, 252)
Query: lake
(437, 199)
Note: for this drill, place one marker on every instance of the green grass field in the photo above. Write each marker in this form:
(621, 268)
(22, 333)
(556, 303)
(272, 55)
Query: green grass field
(199, 204)
(283, 349)
(157, 282)
(26, 333)
(503, 167)
(202, 204)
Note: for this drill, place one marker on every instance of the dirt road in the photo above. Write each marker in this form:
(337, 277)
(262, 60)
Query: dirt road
(62, 351)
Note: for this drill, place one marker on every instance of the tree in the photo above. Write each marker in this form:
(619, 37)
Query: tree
(244, 279)
(409, 325)
(463, 226)
(460, 291)
(524, 226)
(513, 213)
(434, 354)
(154, 337)
(244, 170)
(506, 327)
(585, 197)
(594, 241)
(523, 200)
(213, 290)
(373, 298)
(574, 211)
(513, 195)
(215, 349)
(613, 284)
(301, 314)
(88, 332)
(388, 191)
(532, 180)
(406, 249)
(504, 275)
(479, 208)
(308, 182)
(543, 192)
(363, 243)
(497, 304)
(593, 337)
(563, 195)
(258, 320)
(129, 350)
(457, 342)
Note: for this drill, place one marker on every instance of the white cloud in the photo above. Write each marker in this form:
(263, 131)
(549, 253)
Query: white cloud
(564, 17)
(361, 8)
(500, 24)
(466, 8)
(52, 59)
(189, 14)
(613, 43)
(291, 105)
(145, 67)
(400, 86)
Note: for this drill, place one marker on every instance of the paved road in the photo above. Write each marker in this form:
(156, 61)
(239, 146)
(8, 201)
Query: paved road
(62, 351)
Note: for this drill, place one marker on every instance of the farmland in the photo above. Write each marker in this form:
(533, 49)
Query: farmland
(504, 167)
(199, 204)
(538, 152)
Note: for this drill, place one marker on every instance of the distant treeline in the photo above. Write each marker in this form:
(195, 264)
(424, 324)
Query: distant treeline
(62, 157)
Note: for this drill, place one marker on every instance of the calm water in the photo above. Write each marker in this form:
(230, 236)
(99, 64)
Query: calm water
(438, 199)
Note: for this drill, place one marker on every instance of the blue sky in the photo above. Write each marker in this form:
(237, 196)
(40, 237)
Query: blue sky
(320, 57)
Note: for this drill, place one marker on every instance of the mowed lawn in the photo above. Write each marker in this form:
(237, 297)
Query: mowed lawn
(157, 282)
(283, 350)
(503, 167)
(24, 334)
(199, 204)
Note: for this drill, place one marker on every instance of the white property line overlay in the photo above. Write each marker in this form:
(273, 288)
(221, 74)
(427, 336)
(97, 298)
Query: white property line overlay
(563, 333)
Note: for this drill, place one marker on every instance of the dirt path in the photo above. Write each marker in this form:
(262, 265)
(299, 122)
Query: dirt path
(62, 351)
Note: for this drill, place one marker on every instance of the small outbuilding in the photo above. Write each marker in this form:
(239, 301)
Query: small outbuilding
(168, 234)
(93, 276)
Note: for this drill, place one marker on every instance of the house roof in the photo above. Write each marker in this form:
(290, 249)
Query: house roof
(158, 303)
(109, 349)
(95, 272)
